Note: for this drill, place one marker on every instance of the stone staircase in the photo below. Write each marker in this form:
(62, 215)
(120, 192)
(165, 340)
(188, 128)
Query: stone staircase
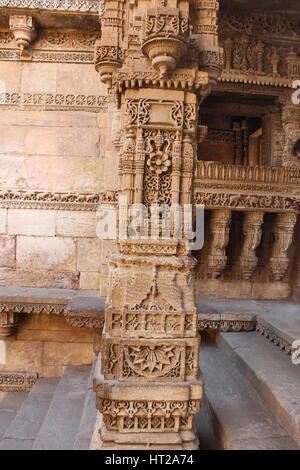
(252, 394)
(252, 391)
(57, 414)
(249, 404)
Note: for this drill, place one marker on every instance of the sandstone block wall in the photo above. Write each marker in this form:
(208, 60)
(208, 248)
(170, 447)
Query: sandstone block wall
(51, 149)
(47, 344)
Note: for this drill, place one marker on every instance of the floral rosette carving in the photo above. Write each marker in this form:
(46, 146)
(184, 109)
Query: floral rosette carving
(153, 360)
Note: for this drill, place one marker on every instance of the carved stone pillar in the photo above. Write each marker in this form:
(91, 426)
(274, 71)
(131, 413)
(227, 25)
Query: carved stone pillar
(238, 158)
(211, 56)
(220, 226)
(283, 234)
(147, 381)
(252, 236)
(291, 131)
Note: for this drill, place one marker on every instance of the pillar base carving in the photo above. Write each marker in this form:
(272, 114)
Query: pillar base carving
(147, 381)
(147, 415)
(113, 440)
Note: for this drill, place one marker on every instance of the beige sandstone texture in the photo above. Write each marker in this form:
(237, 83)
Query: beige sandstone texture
(168, 103)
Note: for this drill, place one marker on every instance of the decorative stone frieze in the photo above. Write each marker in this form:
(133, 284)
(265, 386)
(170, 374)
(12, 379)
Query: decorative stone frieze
(283, 344)
(237, 201)
(226, 325)
(67, 5)
(17, 381)
(54, 101)
(21, 199)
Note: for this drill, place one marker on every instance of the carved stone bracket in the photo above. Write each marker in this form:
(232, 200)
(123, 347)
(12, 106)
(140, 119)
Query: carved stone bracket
(23, 29)
(219, 230)
(166, 32)
(283, 233)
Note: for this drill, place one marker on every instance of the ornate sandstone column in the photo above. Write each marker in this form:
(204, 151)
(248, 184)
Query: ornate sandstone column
(147, 381)
(291, 130)
(219, 229)
(252, 231)
(283, 237)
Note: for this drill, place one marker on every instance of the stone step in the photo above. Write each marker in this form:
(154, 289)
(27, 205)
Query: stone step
(271, 373)
(88, 420)
(205, 427)
(9, 407)
(240, 419)
(280, 329)
(23, 430)
(62, 420)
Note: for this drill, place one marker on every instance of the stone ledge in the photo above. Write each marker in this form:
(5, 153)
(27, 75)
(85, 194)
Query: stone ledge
(85, 309)
(85, 312)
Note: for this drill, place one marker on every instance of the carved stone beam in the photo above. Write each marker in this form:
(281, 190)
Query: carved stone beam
(283, 233)
(23, 29)
(252, 236)
(220, 226)
(8, 324)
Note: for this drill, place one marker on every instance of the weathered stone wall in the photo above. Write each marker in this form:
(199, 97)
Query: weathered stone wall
(45, 146)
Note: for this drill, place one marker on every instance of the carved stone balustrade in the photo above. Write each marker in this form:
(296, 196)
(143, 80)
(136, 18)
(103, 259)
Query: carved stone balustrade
(253, 191)
(246, 188)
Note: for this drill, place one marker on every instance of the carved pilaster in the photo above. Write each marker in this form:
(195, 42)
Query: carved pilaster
(283, 237)
(220, 226)
(211, 56)
(108, 50)
(252, 233)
